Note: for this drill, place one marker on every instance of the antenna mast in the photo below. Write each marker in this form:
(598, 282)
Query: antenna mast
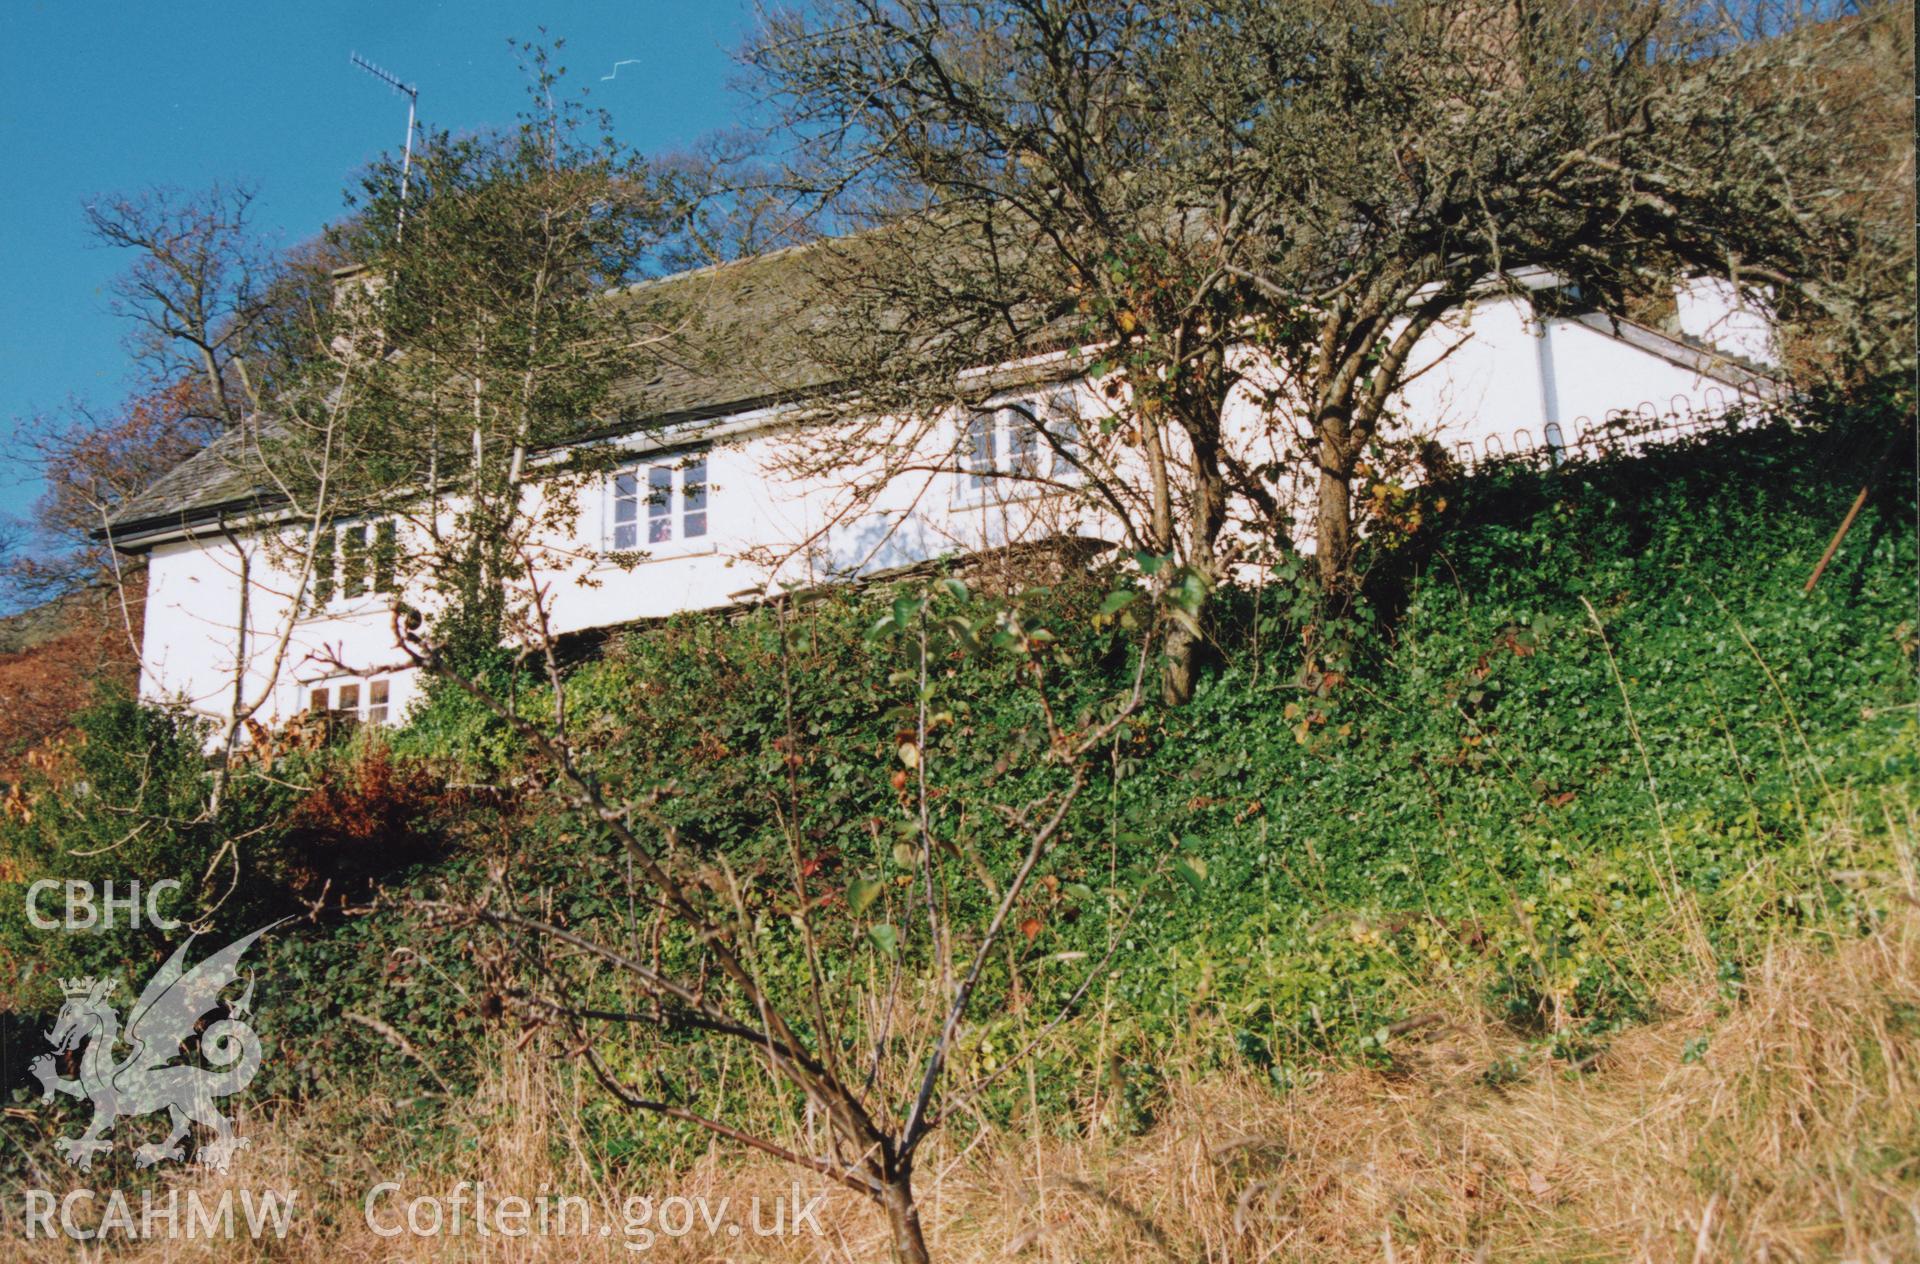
(412, 94)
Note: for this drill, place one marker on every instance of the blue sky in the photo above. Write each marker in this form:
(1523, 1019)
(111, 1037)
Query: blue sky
(116, 96)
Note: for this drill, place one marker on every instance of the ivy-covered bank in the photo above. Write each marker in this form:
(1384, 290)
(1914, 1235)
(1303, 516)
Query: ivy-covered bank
(1585, 729)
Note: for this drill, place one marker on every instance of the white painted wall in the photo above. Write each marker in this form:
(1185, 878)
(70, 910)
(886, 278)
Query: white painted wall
(1493, 378)
(192, 646)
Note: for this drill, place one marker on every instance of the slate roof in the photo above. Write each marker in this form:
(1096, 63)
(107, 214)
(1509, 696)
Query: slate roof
(722, 329)
(726, 339)
(733, 336)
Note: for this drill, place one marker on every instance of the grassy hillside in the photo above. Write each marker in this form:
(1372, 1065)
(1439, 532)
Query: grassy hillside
(1583, 783)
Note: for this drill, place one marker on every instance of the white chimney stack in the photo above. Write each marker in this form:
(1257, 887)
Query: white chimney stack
(1714, 311)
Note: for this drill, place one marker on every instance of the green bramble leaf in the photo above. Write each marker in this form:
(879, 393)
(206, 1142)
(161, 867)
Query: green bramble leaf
(862, 892)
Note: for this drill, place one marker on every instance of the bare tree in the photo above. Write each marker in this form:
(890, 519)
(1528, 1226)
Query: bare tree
(872, 1064)
(1200, 201)
(211, 310)
(197, 294)
(90, 462)
(722, 200)
(228, 328)
(1855, 76)
(197, 291)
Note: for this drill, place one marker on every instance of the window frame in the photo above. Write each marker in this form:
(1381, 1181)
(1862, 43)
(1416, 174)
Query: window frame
(1003, 422)
(642, 476)
(354, 560)
(351, 701)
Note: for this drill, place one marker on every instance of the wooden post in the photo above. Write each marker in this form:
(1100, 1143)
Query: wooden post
(1859, 503)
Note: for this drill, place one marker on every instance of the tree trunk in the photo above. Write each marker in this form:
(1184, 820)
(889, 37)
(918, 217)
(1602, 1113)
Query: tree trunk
(1333, 519)
(903, 1219)
(1179, 671)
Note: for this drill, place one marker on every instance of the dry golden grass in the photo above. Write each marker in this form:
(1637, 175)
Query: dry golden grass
(1795, 1135)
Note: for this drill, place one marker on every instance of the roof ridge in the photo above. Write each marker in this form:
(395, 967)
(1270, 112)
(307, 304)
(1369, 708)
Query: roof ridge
(723, 265)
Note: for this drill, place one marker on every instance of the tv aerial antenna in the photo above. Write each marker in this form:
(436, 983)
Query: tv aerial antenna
(412, 93)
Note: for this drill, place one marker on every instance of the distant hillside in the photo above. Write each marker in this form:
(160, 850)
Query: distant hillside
(34, 626)
(55, 658)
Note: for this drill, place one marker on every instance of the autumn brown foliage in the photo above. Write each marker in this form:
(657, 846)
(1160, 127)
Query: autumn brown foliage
(77, 645)
(363, 817)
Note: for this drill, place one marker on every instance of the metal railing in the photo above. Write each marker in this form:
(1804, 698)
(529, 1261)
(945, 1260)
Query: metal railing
(1620, 432)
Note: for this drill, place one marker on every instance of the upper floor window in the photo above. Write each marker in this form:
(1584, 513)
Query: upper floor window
(658, 503)
(353, 559)
(1034, 440)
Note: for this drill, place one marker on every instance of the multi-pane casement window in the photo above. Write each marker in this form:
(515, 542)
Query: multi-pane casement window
(659, 504)
(1004, 451)
(350, 702)
(354, 559)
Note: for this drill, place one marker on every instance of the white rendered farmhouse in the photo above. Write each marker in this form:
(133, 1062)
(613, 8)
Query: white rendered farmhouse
(703, 492)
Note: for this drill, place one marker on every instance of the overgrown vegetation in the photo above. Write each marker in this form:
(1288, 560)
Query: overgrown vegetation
(1588, 738)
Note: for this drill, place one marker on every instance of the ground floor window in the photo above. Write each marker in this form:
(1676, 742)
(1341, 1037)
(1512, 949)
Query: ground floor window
(351, 702)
